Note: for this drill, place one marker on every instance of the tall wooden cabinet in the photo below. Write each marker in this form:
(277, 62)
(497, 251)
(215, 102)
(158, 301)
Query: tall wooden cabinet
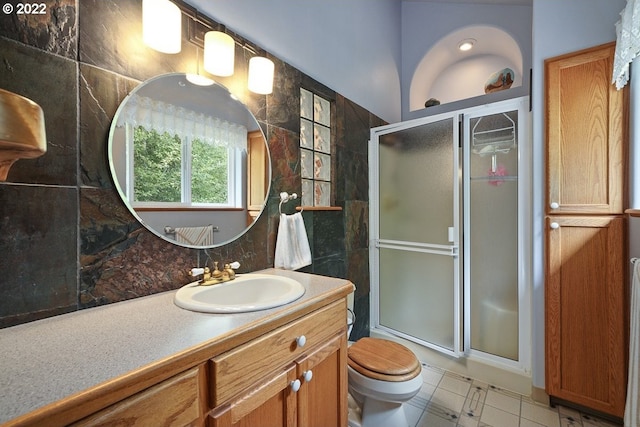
(585, 290)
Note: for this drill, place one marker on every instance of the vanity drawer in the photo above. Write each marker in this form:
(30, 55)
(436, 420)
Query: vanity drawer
(178, 401)
(244, 366)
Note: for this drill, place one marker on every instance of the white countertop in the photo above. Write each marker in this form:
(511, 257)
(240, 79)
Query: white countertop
(47, 360)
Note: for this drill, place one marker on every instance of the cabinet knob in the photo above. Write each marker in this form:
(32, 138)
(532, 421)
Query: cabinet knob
(307, 375)
(295, 386)
(554, 205)
(301, 341)
(554, 225)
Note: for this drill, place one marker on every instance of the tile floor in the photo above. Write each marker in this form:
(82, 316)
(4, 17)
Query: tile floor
(451, 400)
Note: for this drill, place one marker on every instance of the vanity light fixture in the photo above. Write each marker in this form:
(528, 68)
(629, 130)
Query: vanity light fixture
(162, 25)
(466, 44)
(261, 75)
(219, 53)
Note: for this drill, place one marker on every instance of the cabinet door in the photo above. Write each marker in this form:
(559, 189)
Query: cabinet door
(271, 403)
(585, 312)
(322, 399)
(586, 133)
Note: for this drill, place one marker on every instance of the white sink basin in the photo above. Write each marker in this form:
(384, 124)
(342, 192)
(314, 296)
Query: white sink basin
(248, 292)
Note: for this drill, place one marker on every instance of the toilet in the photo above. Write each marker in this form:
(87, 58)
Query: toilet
(382, 376)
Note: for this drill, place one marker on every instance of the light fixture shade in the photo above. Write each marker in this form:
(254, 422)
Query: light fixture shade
(162, 25)
(219, 53)
(261, 75)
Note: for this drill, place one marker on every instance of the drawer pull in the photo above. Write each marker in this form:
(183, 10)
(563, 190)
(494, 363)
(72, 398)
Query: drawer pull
(295, 386)
(554, 205)
(301, 341)
(307, 375)
(554, 225)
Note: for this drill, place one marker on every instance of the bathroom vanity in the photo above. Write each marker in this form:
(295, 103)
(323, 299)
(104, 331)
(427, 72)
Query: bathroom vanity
(149, 362)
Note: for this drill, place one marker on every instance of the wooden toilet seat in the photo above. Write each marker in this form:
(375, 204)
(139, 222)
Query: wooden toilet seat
(383, 360)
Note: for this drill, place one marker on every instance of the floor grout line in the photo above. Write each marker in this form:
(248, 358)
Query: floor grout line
(476, 411)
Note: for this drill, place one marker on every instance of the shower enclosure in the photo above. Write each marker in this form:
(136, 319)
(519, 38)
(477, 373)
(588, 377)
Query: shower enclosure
(450, 202)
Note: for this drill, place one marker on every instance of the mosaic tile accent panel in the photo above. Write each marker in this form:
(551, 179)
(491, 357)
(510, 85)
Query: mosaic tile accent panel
(306, 134)
(322, 193)
(306, 104)
(322, 139)
(322, 167)
(321, 111)
(307, 192)
(306, 164)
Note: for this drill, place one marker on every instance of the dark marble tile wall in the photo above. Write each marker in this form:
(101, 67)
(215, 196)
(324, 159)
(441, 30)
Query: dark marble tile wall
(67, 240)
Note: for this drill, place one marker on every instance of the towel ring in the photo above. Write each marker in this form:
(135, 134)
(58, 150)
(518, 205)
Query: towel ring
(285, 197)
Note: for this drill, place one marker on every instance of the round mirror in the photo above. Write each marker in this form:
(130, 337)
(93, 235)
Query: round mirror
(190, 161)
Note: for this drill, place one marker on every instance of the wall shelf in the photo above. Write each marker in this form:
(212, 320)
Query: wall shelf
(318, 208)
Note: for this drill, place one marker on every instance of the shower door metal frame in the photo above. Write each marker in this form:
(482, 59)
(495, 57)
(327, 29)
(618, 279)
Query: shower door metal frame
(462, 338)
(446, 250)
(524, 230)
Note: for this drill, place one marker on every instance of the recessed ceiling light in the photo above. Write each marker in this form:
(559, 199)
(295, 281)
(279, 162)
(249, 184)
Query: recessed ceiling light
(466, 44)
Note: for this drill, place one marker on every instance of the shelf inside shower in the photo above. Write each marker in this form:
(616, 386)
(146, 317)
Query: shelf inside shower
(493, 141)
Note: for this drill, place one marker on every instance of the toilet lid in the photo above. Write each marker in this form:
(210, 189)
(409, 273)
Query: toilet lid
(383, 359)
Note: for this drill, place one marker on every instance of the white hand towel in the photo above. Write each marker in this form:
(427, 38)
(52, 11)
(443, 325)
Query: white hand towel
(292, 244)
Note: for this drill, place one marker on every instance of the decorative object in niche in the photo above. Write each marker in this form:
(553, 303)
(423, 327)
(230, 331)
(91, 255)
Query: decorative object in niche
(186, 164)
(431, 102)
(22, 130)
(500, 80)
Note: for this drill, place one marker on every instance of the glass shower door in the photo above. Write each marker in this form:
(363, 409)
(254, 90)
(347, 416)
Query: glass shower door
(416, 235)
(492, 229)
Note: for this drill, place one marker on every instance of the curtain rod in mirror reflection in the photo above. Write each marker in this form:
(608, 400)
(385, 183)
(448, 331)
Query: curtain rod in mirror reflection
(22, 132)
(162, 31)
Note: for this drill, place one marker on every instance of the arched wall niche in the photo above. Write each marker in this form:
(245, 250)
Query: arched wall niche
(448, 74)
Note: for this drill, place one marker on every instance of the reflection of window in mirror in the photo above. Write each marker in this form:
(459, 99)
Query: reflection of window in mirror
(257, 174)
(180, 171)
(315, 149)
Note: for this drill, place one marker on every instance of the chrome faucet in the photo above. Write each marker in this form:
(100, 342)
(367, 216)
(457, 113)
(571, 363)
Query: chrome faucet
(216, 276)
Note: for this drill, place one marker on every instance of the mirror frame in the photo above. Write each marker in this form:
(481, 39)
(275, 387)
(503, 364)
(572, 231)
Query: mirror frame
(122, 193)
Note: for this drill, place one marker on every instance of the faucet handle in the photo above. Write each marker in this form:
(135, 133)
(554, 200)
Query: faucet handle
(196, 271)
(235, 265)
